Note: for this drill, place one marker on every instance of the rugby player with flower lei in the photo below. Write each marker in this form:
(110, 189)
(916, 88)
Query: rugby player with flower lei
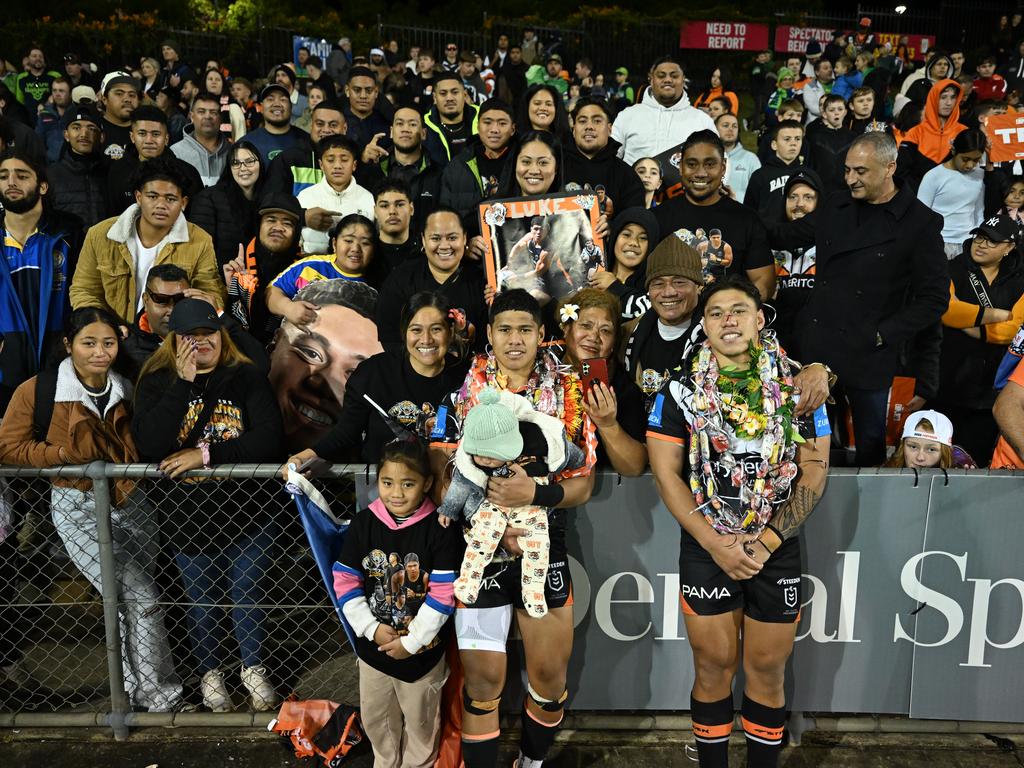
(740, 473)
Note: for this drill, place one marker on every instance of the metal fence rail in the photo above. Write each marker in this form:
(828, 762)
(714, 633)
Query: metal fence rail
(121, 598)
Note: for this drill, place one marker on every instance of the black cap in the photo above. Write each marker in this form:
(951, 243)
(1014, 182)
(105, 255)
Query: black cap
(190, 315)
(77, 112)
(998, 229)
(281, 202)
(269, 88)
(288, 72)
(72, 58)
(803, 176)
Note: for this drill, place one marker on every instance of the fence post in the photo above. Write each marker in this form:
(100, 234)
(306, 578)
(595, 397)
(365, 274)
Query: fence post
(119, 704)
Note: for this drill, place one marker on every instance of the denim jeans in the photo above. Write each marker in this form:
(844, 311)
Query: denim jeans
(237, 572)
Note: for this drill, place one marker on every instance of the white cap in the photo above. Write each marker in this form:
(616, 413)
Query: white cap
(82, 93)
(941, 425)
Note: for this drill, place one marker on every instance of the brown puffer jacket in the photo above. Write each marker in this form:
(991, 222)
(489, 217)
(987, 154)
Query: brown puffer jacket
(77, 433)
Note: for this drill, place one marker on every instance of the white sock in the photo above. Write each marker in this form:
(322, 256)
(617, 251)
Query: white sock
(526, 762)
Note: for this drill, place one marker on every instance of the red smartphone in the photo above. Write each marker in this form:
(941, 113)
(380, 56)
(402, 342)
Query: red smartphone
(594, 369)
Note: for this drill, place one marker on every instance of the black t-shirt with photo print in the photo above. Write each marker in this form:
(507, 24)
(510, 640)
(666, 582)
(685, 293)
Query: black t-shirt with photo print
(729, 236)
(659, 357)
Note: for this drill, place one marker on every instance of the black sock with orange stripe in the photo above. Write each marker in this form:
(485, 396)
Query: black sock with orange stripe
(712, 724)
(763, 728)
(480, 751)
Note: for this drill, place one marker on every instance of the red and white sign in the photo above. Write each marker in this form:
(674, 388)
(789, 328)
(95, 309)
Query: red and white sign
(1006, 137)
(790, 39)
(723, 36)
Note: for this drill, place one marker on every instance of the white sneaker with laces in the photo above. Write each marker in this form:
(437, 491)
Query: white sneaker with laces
(257, 682)
(215, 692)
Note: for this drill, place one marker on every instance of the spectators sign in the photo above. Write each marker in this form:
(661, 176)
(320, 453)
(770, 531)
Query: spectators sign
(723, 36)
(316, 47)
(1005, 137)
(791, 39)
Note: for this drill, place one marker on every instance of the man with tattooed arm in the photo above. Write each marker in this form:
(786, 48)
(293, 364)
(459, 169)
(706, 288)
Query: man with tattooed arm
(740, 472)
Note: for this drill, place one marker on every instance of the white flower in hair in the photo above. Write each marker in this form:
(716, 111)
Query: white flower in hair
(569, 312)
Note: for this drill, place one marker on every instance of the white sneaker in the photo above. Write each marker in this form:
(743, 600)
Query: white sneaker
(215, 692)
(264, 697)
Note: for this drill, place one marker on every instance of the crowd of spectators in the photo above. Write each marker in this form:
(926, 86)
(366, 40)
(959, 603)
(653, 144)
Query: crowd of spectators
(199, 268)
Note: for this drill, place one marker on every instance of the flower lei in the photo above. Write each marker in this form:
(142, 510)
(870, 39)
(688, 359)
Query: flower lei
(749, 404)
(549, 388)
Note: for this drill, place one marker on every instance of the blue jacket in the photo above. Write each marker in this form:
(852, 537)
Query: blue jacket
(53, 250)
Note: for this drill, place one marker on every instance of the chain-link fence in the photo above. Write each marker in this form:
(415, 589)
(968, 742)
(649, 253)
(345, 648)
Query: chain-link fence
(126, 592)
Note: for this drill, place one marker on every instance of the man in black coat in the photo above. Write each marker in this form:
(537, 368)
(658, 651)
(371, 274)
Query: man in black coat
(882, 277)
(592, 159)
(77, 179)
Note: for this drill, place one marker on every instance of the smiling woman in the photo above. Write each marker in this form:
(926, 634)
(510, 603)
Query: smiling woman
(201, 402)
(407, 384)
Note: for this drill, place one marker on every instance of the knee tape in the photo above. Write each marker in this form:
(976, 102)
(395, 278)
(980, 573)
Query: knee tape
(547, 704)
(475, 707)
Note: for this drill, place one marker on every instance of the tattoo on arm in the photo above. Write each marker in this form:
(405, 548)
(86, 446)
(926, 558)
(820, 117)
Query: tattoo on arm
(795, 511)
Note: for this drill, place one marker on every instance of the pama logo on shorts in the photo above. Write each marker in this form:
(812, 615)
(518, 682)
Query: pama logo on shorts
(716, 593)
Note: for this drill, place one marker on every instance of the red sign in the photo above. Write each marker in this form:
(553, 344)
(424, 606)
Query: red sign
(723, 36)
(1006, 137)
(790, 39)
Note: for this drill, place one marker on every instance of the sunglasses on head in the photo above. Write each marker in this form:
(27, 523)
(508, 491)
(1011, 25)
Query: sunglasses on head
(164, 299)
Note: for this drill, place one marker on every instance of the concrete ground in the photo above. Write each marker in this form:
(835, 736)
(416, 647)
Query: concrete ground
(188, 748)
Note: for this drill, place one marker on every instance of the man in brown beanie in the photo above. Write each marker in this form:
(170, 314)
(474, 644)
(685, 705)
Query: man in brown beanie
(656, 342)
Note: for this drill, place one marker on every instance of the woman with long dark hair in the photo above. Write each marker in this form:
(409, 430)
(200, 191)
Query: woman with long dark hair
(84, 404)
(200, 402)
(956, 190)
(541, 109)
(228, 210)
(232, 116)
(719, 85)
(408, 384)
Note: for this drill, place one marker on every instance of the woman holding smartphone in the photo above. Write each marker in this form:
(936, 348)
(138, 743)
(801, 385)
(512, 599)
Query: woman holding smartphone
(590, 322)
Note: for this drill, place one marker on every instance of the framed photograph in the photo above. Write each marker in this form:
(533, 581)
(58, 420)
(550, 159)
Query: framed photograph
(543, 244)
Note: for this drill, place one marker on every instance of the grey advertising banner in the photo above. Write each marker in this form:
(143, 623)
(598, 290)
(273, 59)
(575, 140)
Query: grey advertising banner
(911, 603)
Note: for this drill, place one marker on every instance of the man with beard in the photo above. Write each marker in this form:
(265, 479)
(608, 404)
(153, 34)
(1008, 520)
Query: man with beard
(203, 146)
(367, 114)
(166, 285)
(40, 247)
(792, 244)
(406, 162)
(78, 178)
(452, 121)
(277, 132)
(703, 206)
(484, 167)
(150, 140)
(275, 247)
(32, 86)
(592, 160)
(299, 167)
(120, 95)
(445, 270)
(310, 364)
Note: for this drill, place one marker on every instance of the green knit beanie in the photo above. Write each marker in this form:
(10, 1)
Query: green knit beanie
(491, 429)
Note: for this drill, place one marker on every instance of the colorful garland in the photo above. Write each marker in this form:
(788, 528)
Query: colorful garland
(552, 388)
(731, 404)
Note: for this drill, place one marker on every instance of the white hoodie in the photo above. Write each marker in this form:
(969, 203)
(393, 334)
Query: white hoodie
(647, 129)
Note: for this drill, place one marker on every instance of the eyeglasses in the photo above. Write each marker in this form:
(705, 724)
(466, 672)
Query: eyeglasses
(247, 163)
(453, 48)
(165, 299)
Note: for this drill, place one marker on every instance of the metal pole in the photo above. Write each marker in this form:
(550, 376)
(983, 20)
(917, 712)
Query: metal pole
(119, 704)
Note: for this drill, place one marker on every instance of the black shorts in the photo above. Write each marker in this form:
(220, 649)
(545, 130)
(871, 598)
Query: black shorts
(502, 579)
(773, 595)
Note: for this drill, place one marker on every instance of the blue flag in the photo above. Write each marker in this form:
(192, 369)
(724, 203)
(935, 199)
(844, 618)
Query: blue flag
(325, 533)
